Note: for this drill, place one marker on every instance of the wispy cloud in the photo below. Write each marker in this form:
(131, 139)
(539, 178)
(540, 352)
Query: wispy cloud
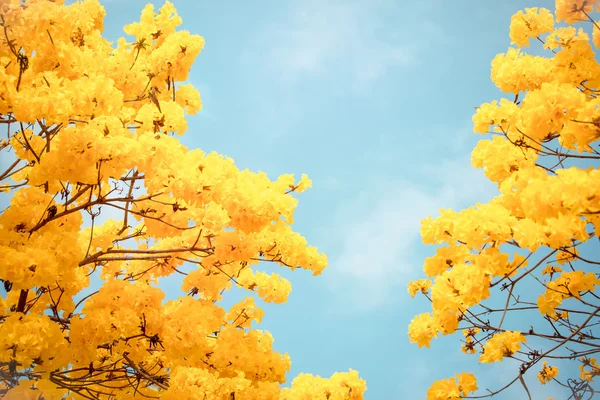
(358, 41)
(380, 248)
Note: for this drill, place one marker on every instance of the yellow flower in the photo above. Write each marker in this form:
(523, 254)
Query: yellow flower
(421, 285)
(565, 256)
(530, 25)
(467, 382)
(547, 373)
(551, 269)
(469, 346)
(501, 345)
(454, 388)
(422, 329)
(568, 284)
(573, 10)
(594, 369)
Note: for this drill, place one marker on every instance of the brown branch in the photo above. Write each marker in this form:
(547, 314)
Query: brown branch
(525, 386)
(512, 286)
(22, 300)
(27, 143)
(143, 373)
(6, 173)
(146, 254)
(91, 203)
(77, 195)
(127, 203)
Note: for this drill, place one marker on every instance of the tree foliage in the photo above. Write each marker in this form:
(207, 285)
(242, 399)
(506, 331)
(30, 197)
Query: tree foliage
(92, 129)
(517, 275)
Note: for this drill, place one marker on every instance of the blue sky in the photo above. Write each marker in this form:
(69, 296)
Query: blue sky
(373, 100)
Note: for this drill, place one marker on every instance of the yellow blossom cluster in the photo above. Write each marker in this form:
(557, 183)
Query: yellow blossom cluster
(528, 25)
(341, 385)
(420, 285)
(543, 157)
(102, 190)
(589, 369)
(572, 11)
(568, 284)
(453, 388)
(501, 345)
(470, 340)
(547, 373)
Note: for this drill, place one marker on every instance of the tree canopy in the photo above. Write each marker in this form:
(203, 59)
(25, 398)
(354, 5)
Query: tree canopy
(517, 275)
(100, 186)
(106, 202)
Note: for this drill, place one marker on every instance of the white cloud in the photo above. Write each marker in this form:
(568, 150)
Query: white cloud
(380, 242)
(362, 41)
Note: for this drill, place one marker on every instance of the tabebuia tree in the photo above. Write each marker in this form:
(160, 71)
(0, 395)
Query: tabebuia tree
(101, 188)
(517, 276)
